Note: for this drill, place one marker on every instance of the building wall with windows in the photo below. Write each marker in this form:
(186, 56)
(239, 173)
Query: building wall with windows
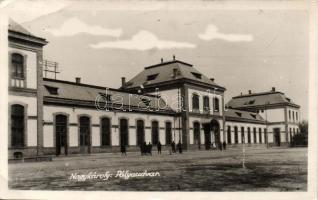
(29, 70)
(25, 100)
(234, 129)
(73, 132)
(211, 106)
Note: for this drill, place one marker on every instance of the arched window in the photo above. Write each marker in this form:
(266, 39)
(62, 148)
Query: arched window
(236, 135)
(260, 135)
(154, 132)
(265, 135)
(123, 132)
(168, 133)
(195, 102)
(85, 131)
(105, 131)
(196, 133)
(249, 135)
(206, 103)
(61, 134)
(229, 135)
(242, 135)
(216, 104)
(140, 132)
(254, 135)
(17, 125)
(17, 63)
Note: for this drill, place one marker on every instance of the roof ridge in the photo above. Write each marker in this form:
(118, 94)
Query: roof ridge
(257, 94)
(168, 62)
(95, 86)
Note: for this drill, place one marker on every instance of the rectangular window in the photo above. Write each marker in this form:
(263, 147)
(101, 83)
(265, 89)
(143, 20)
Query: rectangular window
(206, 103)
(197, 75)
(242, 135)
(105, 131)
(260, 135)
(254, 135)
(236, 135)
(229, 135)
(216, 104)
(168, 133)
(152, 77)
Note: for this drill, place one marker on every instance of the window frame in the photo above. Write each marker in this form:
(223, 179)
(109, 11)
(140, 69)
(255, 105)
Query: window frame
(102, 134)
(24, 118)
(195, 102)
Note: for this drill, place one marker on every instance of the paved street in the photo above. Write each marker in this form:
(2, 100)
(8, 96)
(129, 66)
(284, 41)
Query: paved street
(275, 169)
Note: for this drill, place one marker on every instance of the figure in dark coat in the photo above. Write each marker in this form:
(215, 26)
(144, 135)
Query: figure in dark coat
(159, 147)
(150, 148)
(123, 149)
(173, 147)
(224, 145)
(179, 147)
(144, 148)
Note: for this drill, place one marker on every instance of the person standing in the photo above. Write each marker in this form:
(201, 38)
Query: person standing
(159, 147)
(150, 148)
(224, 145)
(179, 147)
(123, 149)
(173, 147)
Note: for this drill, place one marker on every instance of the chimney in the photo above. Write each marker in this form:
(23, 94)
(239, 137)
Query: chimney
(123, 81)
(273, 89)
(161, 60)
(175, 72)
(212, 79)
(174, 57)
(250, 92)
(77, 80)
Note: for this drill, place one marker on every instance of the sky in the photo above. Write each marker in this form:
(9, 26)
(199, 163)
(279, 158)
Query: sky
(254, 49)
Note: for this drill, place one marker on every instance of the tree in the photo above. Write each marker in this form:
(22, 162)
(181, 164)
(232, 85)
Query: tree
(301, 138)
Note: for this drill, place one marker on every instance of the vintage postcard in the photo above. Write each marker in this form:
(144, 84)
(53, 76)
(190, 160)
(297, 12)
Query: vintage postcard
(178, 99)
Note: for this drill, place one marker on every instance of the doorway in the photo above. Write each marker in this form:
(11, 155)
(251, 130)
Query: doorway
(61, 134)
(277, 136)
(85, 133)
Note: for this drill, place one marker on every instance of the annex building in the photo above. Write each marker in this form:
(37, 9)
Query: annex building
(168, 101)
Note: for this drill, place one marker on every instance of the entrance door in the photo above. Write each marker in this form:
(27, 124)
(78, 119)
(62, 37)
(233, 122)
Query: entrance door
(123, 132)
(215, 127)
(277, 136)
(85, 134)
(207, 136)
(61, 134)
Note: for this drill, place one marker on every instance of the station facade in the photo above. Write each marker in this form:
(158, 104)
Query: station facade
(167, 102)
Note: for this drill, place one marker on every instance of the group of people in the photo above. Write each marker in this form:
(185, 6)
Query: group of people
(146, 149)
(220, 145)
(173, 147)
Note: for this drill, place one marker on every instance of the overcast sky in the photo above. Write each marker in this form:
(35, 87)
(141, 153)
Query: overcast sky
(242, 49)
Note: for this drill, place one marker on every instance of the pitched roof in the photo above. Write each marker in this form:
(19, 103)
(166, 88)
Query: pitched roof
(14, 26)
(260, 99)
(78, 92)
(164, 72)
(240, 115)
(18, 31)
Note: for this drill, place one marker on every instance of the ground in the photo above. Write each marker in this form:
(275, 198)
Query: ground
(274, 169)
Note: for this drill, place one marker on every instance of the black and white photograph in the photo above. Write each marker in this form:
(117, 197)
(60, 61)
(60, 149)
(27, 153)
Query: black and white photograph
(158, 96)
